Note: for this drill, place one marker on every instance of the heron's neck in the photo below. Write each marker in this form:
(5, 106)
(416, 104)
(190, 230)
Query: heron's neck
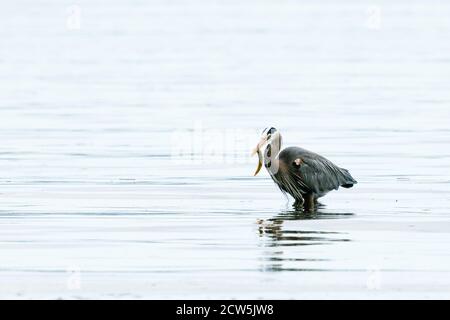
(271, 156)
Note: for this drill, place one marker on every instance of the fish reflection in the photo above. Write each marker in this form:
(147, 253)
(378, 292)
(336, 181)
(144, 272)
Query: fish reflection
(284, 243)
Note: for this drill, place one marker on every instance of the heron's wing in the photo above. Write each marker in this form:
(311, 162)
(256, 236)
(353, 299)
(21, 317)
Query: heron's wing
(314, 173)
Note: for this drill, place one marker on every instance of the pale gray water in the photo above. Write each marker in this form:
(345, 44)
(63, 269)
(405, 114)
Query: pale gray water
(95, 205)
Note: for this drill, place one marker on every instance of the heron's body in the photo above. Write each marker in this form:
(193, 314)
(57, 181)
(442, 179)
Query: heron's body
(311, 177)
(303, 174)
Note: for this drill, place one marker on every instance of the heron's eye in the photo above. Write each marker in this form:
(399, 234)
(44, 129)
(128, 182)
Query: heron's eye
(272, 130)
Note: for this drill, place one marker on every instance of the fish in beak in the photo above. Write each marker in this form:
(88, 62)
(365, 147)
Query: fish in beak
(258, 151)
(260, 162)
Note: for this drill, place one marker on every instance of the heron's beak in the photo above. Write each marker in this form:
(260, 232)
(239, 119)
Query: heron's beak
(257, 150)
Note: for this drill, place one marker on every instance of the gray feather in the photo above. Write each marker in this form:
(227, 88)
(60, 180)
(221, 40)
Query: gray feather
(315, 174)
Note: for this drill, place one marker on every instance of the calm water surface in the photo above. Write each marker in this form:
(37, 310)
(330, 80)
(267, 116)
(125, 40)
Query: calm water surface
(94, 204)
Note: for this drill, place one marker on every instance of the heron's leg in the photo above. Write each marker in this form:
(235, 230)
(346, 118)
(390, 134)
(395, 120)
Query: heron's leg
(310, 201)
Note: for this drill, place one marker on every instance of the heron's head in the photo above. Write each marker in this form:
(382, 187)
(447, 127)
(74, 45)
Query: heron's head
(268, 136)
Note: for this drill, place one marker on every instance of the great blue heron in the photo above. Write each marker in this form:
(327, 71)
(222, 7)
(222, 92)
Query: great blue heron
(305, 175)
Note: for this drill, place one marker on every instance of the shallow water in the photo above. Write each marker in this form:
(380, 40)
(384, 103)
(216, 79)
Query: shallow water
(95, 203)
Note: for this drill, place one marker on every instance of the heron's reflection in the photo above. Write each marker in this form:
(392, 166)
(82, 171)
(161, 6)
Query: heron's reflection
(284, 240)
